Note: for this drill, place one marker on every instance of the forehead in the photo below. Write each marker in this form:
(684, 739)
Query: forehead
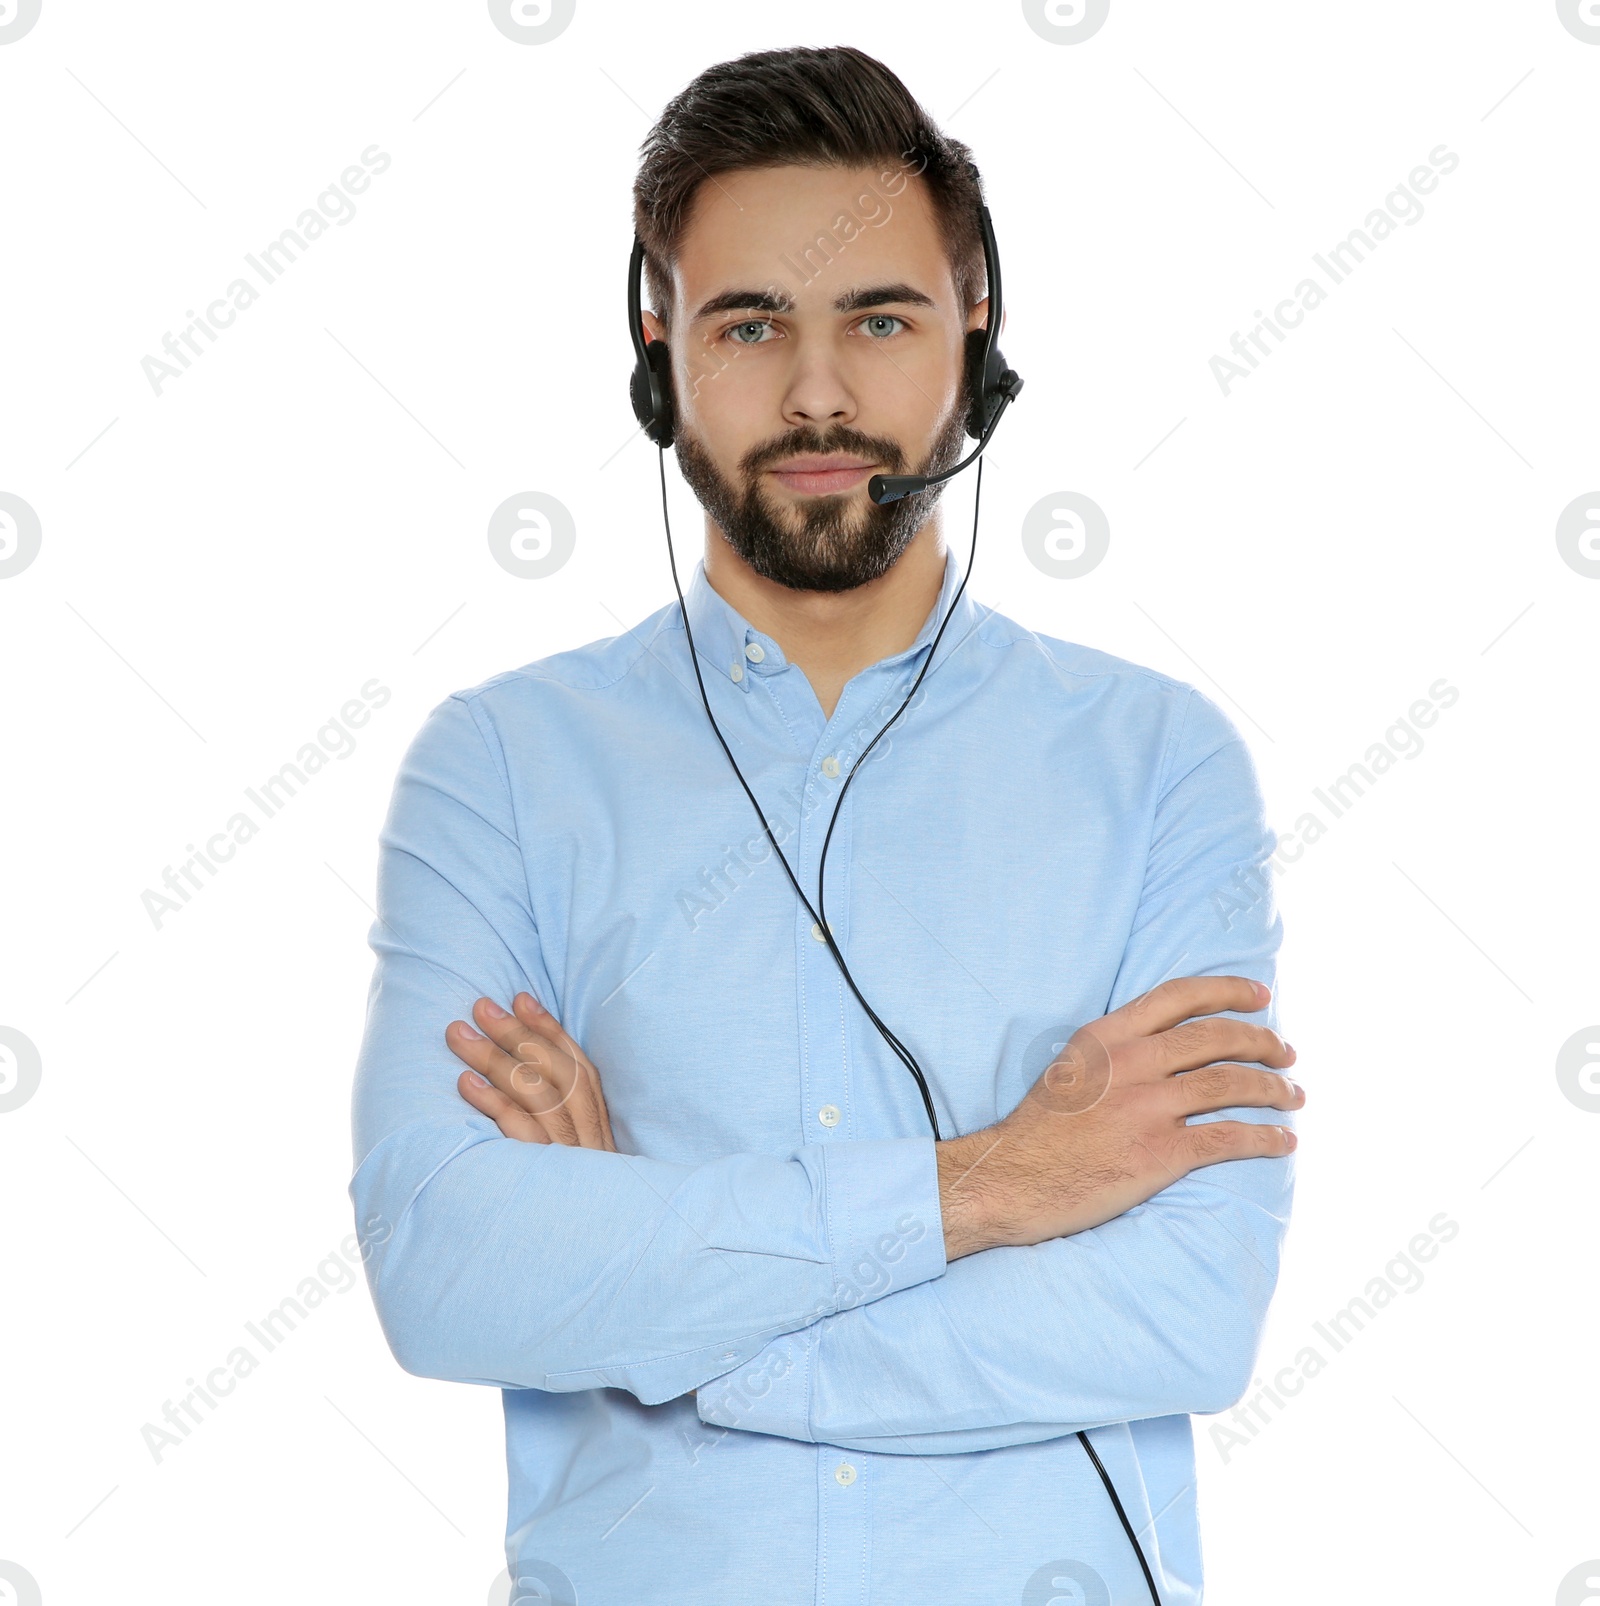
(813, 235)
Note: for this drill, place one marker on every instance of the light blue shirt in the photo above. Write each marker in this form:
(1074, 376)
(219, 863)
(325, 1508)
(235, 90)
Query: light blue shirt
(1048, 832)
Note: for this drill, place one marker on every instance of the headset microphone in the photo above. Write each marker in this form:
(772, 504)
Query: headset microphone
(991, 388)
(884, 488)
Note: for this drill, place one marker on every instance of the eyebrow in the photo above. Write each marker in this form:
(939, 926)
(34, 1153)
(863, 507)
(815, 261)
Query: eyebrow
(877, 295)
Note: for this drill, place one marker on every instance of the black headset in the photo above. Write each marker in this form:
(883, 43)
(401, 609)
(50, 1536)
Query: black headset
(991, 388)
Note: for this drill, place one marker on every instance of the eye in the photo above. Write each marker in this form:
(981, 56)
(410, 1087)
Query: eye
(880, 318)
(736, 331)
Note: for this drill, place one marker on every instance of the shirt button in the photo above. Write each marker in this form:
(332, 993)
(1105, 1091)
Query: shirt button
(829, 1115)
(816, 931)
(755, 652)
(830, 766)
(845, 1473)
(736, 674)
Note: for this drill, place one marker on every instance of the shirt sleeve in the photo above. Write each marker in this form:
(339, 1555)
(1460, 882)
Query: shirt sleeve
(524, 1265)
(1154, 1313)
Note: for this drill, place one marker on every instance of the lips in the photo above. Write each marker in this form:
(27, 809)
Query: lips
(816, 476)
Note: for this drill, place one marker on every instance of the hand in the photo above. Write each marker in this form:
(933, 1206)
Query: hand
(1104, 1128)
(540, 1086)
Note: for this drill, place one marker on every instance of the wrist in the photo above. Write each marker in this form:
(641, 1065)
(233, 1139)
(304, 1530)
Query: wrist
(964, 1195)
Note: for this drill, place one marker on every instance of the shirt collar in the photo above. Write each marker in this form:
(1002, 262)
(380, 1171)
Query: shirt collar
(733, 648)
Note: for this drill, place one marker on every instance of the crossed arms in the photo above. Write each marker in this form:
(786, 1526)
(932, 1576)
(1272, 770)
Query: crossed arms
(1092, 1258)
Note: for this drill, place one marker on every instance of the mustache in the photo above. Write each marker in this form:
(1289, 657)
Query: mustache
(886, 452)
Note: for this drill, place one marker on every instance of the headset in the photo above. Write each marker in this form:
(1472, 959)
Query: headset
(991, 388)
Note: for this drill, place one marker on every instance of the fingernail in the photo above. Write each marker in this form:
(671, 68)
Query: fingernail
(1261, 991)
(493, 1010)
(468, 1032)
(1290, 1139)
(538, 1008)
(482, 1081)
(1298, 1090)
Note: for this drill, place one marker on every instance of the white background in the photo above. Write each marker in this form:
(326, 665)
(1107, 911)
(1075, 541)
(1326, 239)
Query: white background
(225, 564)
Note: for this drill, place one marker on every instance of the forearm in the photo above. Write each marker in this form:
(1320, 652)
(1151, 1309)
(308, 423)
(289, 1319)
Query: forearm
(1155, 1313)
(966, 1203)
(542, 1266)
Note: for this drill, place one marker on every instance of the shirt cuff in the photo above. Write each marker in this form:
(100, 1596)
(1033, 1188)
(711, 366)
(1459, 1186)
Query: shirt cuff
(886, 1231)
(885, 1225)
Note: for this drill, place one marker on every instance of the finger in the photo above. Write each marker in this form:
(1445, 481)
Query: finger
(1225, 1086)
(542, 1080)
(509, 1030)
(1181, 999)
(482, 1054)
(506, 1113)
(571, 1070)
(518, 1077)
(585, 1101)
(594, 1103)
(1208, 1142)
(1194, 1043)
(538, 1070)
(605, 1114)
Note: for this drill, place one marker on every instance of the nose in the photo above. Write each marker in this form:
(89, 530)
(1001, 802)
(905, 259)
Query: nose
(817, 393)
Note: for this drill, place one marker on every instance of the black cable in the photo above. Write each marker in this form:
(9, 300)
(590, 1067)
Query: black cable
(822, 862)
(1127, 1527)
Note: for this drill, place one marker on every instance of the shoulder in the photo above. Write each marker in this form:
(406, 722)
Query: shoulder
(544, 699)
(594, 667)
(1163, 713)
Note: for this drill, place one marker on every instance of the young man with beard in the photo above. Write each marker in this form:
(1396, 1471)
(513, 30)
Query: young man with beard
(762, 1335)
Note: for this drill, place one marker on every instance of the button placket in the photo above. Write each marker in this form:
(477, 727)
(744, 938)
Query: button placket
(825, 998)
(845, 1530)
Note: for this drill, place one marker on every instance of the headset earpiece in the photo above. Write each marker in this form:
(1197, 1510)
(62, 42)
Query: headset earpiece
(651, 392)
(650, 388)
(990, 382)
(984, 373)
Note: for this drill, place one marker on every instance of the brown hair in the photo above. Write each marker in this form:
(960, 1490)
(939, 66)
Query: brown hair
(833, 107)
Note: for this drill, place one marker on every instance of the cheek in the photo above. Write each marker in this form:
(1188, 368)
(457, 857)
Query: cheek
(728, 421)
(924, 389)
(732, 403)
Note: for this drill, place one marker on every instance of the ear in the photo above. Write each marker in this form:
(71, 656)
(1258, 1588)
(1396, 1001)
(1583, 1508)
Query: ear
(654, 328)
(979, 313)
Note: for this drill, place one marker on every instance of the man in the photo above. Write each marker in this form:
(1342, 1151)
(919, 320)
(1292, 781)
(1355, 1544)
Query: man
(761, 1338)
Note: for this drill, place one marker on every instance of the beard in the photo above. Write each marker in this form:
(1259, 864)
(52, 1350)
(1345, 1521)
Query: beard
(819, 543)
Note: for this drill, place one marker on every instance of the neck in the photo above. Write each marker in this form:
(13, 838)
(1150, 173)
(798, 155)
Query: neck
(831, 636)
